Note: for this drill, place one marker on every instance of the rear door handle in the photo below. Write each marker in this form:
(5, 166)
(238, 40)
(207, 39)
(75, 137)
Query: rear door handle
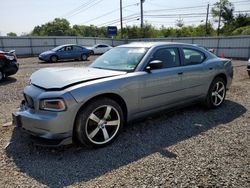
(180, 73)
(211, 68)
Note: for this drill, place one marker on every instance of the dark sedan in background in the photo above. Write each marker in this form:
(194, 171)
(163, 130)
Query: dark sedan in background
(65, 52)
(8, 64)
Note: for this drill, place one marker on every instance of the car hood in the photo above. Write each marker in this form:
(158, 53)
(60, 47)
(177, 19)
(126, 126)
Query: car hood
(60, 78)
(47, 53)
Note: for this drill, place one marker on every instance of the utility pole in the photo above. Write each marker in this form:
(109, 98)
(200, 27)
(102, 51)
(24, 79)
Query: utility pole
(141, 2)
(121, 18)
(207, 19)
(218, 29)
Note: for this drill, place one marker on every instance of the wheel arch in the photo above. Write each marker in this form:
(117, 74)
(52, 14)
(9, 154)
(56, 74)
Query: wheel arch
(117, 98)
(221, 75)
(54, 55)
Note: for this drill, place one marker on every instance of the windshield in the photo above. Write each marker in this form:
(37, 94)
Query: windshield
(56, 48)
(121, 58)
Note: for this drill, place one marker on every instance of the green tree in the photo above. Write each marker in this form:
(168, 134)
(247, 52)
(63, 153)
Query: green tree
(58, 27)
(200, 30)
(168, 32)
(239, 23)
(11, 34)
(225, 9)
(78, 30)
(242, 31)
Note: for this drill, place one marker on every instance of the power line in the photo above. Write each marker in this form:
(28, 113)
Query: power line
(108, 13)
(103, 15)
(96, 2)
(81, 8)
(187, 8)
(76, 9)
(118, 20)
(171, 9)
(176, 15)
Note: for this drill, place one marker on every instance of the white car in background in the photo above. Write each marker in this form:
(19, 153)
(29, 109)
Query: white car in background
(100, 48)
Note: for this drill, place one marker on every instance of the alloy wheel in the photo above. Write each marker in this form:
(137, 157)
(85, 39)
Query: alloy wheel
(218, 93)
(102, 124)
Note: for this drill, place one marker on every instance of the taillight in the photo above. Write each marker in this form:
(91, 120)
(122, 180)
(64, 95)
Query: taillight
(9, 57)
(2, 56)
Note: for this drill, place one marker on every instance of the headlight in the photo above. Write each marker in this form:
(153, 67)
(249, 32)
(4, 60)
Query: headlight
(9, 57)
(56, 105)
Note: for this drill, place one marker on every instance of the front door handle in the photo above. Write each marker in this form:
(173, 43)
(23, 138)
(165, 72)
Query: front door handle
(211, 68)
(180, 73)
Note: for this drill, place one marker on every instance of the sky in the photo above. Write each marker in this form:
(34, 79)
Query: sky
(21, 16)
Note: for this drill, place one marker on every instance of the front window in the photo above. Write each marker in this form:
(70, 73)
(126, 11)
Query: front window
(168, 56)
(121, 58)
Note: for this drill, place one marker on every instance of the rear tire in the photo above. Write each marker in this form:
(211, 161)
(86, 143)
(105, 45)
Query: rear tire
(99, 123)
(1, 75)
(249, 73)
(216, 93)
(53, 59)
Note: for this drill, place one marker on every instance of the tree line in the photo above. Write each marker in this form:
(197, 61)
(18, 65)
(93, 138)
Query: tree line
(222, 12)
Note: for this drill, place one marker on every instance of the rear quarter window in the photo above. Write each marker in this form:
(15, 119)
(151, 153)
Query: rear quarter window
(192, 56)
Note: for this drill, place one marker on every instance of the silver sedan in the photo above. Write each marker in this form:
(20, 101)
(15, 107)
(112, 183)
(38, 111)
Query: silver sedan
(91, 105)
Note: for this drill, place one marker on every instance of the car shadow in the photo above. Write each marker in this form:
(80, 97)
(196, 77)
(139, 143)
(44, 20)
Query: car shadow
(58, 167)
(7, 81)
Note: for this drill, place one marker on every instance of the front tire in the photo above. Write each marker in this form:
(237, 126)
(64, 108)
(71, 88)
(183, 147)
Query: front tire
(216, 93)
(99, 123)
(53, 59)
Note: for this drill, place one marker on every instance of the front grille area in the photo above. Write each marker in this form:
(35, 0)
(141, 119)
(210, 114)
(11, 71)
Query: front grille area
(29, 101)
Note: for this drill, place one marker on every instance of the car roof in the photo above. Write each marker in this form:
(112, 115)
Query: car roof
(153, 44)
(101, 44)
(69, 45)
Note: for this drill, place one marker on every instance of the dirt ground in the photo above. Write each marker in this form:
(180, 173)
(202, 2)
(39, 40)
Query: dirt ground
(191, 147)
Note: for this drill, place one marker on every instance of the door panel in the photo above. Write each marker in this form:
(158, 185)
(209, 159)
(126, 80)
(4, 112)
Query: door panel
(161, 87)
(193, 80)
(195, 74)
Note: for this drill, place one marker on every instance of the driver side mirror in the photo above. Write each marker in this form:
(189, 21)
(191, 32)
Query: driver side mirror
(155, 64)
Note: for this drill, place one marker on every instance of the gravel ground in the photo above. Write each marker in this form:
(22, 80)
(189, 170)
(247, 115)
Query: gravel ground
(190, 147)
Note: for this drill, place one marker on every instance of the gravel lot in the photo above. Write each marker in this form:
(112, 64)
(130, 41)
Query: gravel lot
(191, 147)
